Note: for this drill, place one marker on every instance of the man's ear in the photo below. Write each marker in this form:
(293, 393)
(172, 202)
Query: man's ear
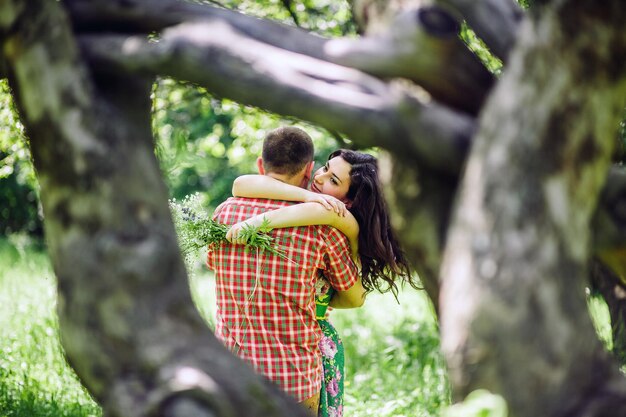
(306, 177)
(259, 165)
(309, 170)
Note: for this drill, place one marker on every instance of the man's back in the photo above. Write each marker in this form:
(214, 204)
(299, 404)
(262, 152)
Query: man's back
(266, 306)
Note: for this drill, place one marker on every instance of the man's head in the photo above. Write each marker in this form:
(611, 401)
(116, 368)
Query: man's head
(287, 155)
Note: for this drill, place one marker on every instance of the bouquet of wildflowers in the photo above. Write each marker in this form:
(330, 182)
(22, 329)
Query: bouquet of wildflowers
(196, 230)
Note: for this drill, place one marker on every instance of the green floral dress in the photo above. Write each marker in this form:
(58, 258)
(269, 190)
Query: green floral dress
(331, 346)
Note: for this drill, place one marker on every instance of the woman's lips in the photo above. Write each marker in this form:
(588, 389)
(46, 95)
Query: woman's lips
(314, 188)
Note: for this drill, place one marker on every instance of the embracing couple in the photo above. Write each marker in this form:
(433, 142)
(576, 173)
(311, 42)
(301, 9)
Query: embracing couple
(335, 246)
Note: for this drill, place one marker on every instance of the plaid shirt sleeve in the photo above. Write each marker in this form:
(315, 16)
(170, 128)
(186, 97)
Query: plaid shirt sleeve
(340, 269)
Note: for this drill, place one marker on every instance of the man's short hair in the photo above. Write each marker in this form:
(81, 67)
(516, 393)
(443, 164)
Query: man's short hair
(286, 150)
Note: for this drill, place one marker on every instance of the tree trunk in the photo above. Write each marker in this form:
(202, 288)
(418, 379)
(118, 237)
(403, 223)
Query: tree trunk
(128, 324)
(513, 312)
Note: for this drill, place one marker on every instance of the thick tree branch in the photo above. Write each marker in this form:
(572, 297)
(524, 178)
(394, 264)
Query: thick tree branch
(494, 21)
(422, 45)
(141, 16)
(232, 65)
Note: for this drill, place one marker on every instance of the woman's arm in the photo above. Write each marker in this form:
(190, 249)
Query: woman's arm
(305, 214)
(264, 186)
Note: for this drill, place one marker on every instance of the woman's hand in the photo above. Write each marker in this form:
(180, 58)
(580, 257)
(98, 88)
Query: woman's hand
(327, 201)
(234, 234)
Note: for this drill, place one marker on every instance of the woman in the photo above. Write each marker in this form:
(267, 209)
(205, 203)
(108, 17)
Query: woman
(349, 179)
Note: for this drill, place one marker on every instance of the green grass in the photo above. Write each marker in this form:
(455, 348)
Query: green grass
(393, 364)
(392, 350)
(35, 380)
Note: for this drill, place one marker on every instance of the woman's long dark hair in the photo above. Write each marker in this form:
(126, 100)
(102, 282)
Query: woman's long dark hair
(382, 260)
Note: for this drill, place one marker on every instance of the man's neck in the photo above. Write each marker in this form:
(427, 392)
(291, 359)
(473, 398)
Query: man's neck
(283, 178)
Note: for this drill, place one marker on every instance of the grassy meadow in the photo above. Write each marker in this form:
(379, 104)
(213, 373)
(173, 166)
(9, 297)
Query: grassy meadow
(35, 380)
(393, 365)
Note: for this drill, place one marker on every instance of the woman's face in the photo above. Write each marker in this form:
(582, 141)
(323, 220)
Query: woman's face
(333, 179)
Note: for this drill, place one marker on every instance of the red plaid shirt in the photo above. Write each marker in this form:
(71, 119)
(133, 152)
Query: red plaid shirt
(266, 303)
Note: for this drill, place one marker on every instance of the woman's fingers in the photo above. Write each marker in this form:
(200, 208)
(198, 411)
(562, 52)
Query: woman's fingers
(329, 203)
(342, 209)
(333, 203)
(325, 203)
(234, 236)
(338, 206)
(229, 235)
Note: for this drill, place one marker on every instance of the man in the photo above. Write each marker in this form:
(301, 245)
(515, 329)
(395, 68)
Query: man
(265, 302)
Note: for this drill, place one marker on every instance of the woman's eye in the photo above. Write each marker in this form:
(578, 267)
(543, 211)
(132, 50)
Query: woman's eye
(333, 181)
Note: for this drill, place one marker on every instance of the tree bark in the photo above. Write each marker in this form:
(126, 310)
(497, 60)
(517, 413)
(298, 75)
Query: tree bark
(128, 324)
(421, 44)
(515, 264)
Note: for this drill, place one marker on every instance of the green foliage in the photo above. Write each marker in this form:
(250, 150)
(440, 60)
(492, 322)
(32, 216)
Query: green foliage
(18, 186)
(476, 45)
(325, 17)
(205, 142)
(394, 367)
(601, 318)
